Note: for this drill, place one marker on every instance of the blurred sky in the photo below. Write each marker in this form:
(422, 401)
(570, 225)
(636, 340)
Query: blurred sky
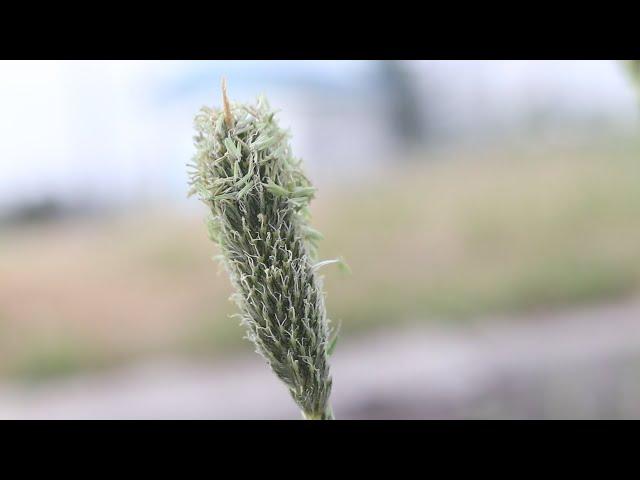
(120, 131)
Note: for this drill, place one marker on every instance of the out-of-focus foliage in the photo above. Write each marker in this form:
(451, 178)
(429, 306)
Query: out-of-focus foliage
(634, 70)
(464, 237)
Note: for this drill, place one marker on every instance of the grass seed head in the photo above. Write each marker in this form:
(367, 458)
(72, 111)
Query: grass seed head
(258, 197)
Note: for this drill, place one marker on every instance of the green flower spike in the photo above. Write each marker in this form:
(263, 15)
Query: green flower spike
(258, 197)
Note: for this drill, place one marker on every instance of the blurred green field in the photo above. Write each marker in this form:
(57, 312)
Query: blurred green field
(456, 238)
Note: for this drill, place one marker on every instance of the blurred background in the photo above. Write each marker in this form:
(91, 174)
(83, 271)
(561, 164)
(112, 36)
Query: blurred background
(489, 211)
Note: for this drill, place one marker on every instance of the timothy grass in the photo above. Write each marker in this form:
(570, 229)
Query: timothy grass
(454, 239)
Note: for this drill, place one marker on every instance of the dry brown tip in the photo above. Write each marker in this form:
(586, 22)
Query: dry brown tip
(228, 119)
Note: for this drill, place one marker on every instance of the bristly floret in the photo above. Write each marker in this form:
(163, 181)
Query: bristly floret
(258, 197)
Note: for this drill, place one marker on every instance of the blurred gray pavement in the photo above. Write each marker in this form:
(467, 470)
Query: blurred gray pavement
(571, 364)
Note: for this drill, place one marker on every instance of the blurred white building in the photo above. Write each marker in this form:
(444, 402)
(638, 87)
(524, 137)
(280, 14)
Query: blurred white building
(504, 97)
(120, 132)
